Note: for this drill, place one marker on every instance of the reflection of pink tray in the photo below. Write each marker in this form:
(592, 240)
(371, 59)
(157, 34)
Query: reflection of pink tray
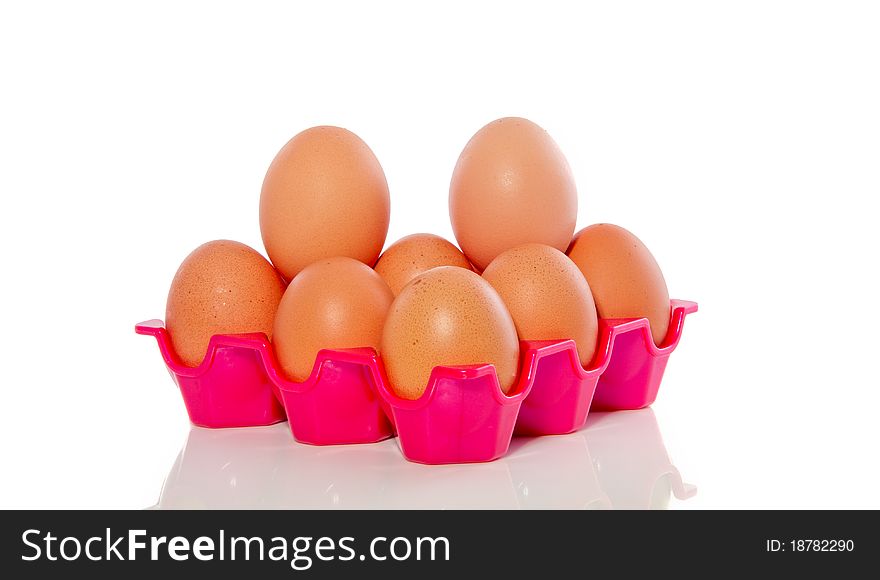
(636, 471)
(633, 374)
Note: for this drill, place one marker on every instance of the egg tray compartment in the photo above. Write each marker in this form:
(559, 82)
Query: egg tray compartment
(463, 416)
(239, 384)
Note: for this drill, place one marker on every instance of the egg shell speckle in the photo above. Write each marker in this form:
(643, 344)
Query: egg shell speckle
(447, 316)
(547, 296)
(623, 275)
(222, 287)
(334, 303)
(416, 254)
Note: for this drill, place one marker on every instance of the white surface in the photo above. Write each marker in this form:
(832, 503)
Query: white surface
(739, 141)
(618, 461)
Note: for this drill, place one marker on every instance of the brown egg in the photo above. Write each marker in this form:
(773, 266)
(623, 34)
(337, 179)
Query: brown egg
(623, 275)
(416, 254)
(324, 195)
(334, 303)
(222, 287)
(547, 296)
(511, 186)
(448, 316)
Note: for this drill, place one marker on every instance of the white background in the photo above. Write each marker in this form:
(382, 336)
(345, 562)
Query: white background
(739, 140)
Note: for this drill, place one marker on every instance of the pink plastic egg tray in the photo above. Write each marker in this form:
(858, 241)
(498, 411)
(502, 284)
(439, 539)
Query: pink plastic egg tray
(462, 417)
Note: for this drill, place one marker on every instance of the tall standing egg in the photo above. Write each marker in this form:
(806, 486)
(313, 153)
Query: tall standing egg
(448, 316)
(324, 195)
(511, 186)
(222, 287)
(623, 275)
(547, 296)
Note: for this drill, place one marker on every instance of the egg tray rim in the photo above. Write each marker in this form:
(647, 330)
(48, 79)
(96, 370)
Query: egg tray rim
(532, 351)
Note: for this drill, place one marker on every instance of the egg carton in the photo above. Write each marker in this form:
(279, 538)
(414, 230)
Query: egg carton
(462, 417)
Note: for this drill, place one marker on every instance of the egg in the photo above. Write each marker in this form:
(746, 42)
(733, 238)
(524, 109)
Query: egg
(324, 195)
(447, 316)
(547, 296)
(511, 186)
(222, 287)
(334, 303)
(624, 277)
(415, 254)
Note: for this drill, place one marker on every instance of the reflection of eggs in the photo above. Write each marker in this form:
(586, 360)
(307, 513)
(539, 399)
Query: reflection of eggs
(512, 185)
(547, 296)
(222, 287)
(448, 316)
(415, 254)
(324, 195)
(335, 303)
(623, 275)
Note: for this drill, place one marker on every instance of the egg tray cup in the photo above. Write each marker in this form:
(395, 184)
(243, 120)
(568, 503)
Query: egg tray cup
(239, 384)
(635, 366)
(462, 417)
